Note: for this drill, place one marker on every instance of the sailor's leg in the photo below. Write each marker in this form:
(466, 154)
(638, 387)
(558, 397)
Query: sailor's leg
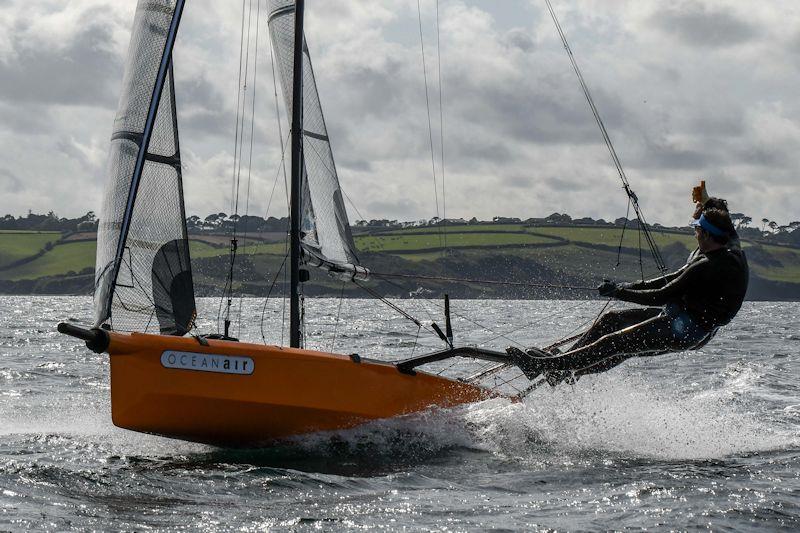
(614, 321)
(656, 335)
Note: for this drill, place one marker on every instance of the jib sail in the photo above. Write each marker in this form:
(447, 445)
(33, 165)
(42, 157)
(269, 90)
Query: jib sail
(326, 239)
(143, 278)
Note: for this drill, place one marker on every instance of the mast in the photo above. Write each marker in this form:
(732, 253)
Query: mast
(297, 175)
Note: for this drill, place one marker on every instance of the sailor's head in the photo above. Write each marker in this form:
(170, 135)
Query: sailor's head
(713, 228)
(711, 203)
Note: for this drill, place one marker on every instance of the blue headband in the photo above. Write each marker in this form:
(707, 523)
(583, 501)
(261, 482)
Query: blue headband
(709, 227)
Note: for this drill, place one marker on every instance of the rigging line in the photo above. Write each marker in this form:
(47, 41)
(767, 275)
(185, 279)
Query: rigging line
(458, 315)
(351, 202)
(278, 119)
(607, 139)
(538, 321)
(419, 301)
(571, 334)
(285, 280)
(385, 300)
(333, 174)
(428, 107)
(531, 388)
(238, 105)
(244, 106)
(235, 150)
(641, 263)
(238, 169)
(266, 299)
(338, 313)
(622, 234)
(441, 128)
(275, 181)
(485, 281)
(252, 118)
(416, 341)
(250, 155)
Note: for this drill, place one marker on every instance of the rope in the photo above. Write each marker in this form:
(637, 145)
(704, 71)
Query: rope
(250, 154)
(266, 299)
(430, 126)
(485, 281)
(622, 234)
(338, 313)
(228, 288)
(282, 165)
(607, 139)
(441, 130)
(375, 294)
(458, 315)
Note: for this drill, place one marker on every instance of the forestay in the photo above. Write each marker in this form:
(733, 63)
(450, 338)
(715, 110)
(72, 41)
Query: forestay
(326, 239)
(143, 279)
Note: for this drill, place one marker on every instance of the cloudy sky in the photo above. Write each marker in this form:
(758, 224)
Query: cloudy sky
(688, 89)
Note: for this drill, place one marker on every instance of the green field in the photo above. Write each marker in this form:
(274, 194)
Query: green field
(572, 256)
(63, 258)
(411, 241)
(16, 245)
(610, 236)
(775, 263)
(492, 228)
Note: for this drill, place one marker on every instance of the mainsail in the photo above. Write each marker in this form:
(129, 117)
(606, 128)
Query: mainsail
(143, 279)
(326, 240)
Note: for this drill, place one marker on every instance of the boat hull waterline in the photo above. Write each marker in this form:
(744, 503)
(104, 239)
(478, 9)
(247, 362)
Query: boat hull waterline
(241, 394)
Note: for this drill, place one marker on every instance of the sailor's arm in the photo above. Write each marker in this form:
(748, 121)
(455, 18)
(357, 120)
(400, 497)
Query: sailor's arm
(655, 283)
(675, 288)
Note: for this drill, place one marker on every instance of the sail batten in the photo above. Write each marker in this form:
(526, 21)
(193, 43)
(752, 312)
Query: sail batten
(143, 276)
(327, 241)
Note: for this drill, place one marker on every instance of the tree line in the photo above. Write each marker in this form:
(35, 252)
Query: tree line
(222, 223)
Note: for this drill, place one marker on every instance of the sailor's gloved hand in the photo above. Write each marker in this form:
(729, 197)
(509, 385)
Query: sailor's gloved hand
(608, 288)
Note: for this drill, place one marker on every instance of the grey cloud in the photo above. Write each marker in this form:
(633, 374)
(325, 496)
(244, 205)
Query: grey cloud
(202, 108)
(718, 122)
(465, 149)
(376, 92)
(666, 156)
(547, 112)
(11, 183)
(517, 181)
(25, 120)
(772, 156)
(84, 72)
(519, 38)
(561, 184)
(794, 46)
(393, 209)
(699, 25)
(353, 164)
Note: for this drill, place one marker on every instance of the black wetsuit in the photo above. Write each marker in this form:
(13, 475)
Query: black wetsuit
(694, 301)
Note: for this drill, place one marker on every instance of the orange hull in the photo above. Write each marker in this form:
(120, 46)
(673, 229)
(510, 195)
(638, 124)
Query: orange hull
(176, 387)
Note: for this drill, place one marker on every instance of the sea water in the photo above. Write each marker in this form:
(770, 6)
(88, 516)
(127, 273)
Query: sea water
(705, 439)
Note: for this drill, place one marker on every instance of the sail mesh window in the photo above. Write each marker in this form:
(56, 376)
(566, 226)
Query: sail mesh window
(327, 241)
(156, 293)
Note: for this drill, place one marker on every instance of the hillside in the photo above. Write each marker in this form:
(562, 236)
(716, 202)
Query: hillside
(46, 262)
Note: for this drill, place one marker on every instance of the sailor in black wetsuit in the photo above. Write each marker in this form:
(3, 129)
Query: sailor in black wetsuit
(693, 303)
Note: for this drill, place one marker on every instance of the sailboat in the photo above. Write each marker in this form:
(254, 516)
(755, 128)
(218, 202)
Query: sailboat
(165, 378)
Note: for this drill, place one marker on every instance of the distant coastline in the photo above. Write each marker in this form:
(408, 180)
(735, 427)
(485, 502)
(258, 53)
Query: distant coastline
(555, 250)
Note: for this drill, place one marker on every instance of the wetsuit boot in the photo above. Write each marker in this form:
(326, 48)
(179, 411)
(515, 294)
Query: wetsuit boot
(525, 362)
